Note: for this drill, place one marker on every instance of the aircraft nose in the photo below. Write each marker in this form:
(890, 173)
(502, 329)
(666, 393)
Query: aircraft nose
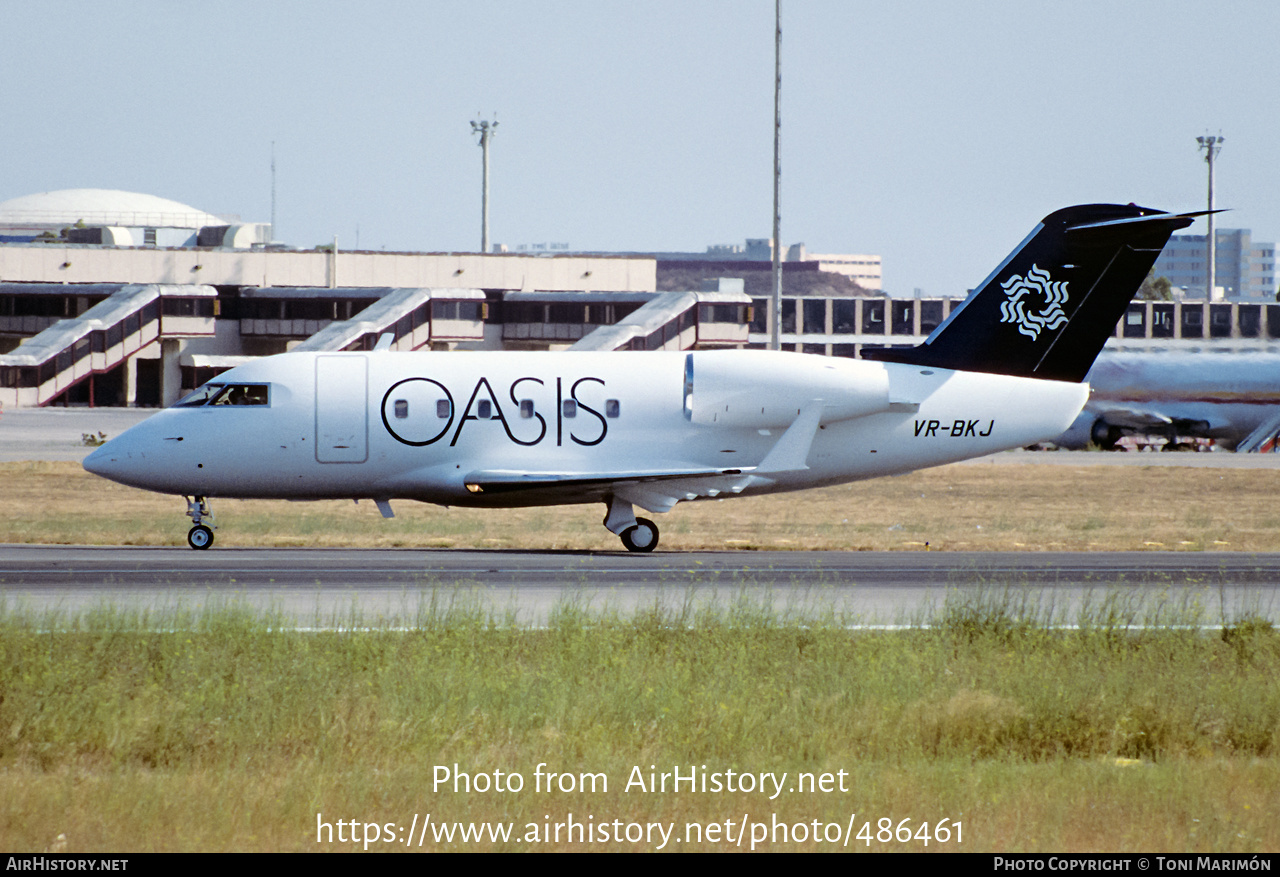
(120, 460)
(104, 461)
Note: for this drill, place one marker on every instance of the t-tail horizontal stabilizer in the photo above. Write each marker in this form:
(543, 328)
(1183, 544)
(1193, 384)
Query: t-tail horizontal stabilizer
(1052, 304)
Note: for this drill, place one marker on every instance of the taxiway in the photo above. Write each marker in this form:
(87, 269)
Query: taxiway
(397, 586)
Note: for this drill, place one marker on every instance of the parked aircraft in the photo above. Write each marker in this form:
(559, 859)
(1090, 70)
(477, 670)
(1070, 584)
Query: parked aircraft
(1223, 396)
(652, 429)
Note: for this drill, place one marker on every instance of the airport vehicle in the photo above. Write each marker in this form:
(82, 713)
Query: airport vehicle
(652, 429)
(1227, 397)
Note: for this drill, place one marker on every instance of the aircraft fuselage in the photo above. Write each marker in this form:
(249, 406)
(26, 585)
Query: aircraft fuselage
(420, 425)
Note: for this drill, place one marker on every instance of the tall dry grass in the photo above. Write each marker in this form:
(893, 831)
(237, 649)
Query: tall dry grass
(961, 507)
(218, 730)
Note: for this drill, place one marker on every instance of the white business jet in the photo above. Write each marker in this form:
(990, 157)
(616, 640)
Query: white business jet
(650, 429)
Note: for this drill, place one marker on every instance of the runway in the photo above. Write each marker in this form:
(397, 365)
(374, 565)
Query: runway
(384, 586)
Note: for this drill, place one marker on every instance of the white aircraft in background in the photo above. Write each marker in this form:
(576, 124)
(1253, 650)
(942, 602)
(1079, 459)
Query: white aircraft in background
(627, 429)
(1233, 398)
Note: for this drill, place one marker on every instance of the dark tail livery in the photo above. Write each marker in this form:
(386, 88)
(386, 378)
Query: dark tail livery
(1052, 304)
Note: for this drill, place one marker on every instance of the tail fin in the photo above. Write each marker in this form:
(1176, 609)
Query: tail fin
(1051, 305)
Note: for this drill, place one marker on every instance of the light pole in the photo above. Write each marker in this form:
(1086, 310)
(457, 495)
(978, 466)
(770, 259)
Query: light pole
(1211, 146)
(775, 334)
(485, 129)
(273, 191)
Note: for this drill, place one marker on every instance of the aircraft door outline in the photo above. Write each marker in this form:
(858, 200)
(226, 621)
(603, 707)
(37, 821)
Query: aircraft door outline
(342, 410)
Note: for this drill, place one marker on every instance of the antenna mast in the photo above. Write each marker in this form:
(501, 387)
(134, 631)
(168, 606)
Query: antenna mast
(775, 334)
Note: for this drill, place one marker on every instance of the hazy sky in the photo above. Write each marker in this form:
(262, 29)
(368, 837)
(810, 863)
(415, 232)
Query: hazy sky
(934, 134)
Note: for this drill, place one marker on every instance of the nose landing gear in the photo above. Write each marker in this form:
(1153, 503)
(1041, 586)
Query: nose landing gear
(200, 536)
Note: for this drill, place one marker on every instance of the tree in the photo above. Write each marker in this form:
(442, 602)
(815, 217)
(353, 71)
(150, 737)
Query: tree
(1155, 288)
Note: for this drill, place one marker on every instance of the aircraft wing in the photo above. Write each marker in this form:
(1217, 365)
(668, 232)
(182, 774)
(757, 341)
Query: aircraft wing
(656, 491)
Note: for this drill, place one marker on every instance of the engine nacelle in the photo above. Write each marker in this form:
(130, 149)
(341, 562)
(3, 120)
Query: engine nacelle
(762, 390)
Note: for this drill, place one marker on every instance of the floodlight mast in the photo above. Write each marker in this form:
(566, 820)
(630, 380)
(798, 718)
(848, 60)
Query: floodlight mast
(273, 191)
(485, 130)
(775, 332)
(1211, 146)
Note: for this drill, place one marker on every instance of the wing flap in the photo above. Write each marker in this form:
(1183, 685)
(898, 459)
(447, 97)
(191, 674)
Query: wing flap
(656, 491)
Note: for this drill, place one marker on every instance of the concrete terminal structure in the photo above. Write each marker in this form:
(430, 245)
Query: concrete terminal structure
(94, 324)
(148, 353)
(843, 326)
(121, 318)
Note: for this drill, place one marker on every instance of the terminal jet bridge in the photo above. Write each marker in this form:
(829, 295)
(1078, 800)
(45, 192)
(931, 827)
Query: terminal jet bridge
(131, 320)
(409, 316)
(677, 321)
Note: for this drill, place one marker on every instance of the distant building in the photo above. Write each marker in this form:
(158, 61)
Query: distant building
(1245, 268)
(862, 269)
(122, 219)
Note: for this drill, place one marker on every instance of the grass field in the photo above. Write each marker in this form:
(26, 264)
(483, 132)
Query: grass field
(954, 508)
(215, 732)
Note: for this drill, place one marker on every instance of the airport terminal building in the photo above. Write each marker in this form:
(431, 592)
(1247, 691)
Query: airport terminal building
(110, 298)
(116, 298)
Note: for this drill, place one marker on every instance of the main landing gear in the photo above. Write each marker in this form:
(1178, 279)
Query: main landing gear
(637, 534)
(200, 536)
(642, 537)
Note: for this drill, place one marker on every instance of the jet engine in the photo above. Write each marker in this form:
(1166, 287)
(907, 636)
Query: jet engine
(766, 392)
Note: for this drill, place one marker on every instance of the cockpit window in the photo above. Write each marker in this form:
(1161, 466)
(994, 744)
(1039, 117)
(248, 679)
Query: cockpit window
(242, 394)
(199, 397)
(228, 394)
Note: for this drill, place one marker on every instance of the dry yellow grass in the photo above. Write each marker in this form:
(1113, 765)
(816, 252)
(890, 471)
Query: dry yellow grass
(230, 735)
(964, 507)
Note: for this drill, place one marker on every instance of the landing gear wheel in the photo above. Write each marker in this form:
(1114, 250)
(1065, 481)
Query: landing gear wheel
(199, 537)
(642, 537)
(1104, 435)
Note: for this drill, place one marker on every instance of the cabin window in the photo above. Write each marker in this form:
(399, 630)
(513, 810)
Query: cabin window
(526, 408)
(611, 407)
(402, 409)
(443, 409)
(569, 408)
(484, 409)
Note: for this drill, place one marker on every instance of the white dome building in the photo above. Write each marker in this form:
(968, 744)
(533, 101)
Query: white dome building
(127, 218)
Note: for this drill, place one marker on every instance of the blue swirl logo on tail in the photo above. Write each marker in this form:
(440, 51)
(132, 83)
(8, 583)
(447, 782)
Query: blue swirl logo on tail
(1017, 308)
